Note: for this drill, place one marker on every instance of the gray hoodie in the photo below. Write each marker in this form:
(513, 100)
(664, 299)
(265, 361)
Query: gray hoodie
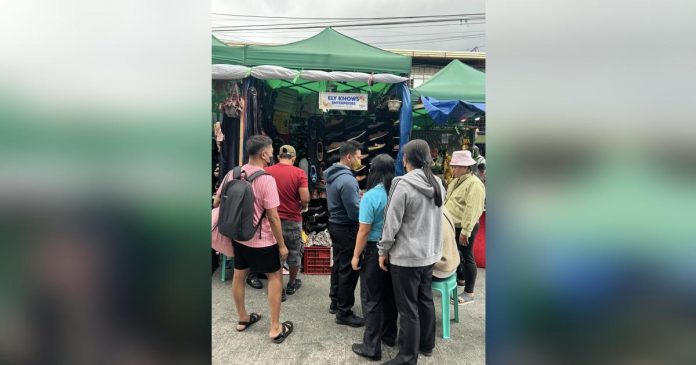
(412, 233)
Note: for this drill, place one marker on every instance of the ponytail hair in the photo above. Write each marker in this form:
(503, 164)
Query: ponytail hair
(417, 153)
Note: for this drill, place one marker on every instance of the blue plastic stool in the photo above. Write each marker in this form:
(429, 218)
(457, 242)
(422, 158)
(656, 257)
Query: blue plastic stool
(223, 274)
(448, 290)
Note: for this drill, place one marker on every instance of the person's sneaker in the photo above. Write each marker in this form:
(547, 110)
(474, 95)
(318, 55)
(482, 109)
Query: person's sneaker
(352, 320)
(333, 308)
(468, 298)
(292, 287)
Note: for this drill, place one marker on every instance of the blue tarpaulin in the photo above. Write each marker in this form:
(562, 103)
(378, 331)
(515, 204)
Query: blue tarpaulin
(405, 125)
(442, 110)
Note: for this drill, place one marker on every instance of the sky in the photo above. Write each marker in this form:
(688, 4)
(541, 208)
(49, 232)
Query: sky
(436, 36)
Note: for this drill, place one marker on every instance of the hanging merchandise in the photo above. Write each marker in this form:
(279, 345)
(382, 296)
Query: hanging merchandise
(281, 121)
(231, 106)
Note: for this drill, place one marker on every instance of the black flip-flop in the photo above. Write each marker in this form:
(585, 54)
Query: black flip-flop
(287, 328)
(253, 318)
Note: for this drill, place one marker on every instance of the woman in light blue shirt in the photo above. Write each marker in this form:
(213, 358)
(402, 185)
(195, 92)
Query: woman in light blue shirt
(379, 308)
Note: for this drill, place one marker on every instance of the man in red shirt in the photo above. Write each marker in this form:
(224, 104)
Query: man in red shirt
(294, 197)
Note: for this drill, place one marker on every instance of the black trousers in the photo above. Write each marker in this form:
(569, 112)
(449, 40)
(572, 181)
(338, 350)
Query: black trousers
(379, 307)
(343, 239)
(414, 300)
(467, 265)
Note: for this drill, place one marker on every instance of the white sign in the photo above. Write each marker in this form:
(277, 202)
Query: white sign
(342, 101)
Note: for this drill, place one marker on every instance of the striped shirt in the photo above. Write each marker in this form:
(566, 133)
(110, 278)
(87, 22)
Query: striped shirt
(266, 196)
(464, 201)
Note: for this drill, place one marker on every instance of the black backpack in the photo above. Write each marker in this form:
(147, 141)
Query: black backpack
(236, 219)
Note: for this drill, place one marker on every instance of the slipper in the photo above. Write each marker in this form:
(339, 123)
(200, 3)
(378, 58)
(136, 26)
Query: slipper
(287, 327)
(253, 318)
(461, 301)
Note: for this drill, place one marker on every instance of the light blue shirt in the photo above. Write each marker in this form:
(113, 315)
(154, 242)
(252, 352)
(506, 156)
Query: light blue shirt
(372, 211)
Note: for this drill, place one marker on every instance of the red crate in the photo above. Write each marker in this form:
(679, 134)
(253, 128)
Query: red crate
(317, 260)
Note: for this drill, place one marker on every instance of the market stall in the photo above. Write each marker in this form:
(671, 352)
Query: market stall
(314, 94)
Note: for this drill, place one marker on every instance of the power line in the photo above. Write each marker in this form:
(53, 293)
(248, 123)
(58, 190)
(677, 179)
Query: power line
(359, 36)
(328, 18)
(429, 39)
(247, 28)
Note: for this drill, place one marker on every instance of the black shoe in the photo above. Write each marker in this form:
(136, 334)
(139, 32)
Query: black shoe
(389, 343)
(254, 282)
(334, 136)
(292, 287)
(316, 227)
(354, 123)
(359, 350)
(426, 353)
(333, 308)
(352, 320)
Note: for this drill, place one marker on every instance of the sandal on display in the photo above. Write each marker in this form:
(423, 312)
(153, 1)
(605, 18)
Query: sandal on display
(253, 318)
(376, 146)
(320, 151)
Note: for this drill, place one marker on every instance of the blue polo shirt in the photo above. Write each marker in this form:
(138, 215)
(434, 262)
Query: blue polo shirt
(372, 207)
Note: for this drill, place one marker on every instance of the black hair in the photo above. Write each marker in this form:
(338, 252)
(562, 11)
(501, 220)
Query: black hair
(349, 148)
(417, 152)
(256, 144)
(382, 171)
(482, 167)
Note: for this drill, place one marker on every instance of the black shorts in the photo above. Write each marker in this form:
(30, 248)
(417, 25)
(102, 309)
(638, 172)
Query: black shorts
(264, 260)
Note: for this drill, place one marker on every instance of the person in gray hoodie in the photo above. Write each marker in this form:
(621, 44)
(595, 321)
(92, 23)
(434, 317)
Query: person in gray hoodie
(343, 199)
(411, 243)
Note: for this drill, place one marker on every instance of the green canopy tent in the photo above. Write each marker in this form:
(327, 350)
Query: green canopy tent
(224, 54)
(457, 81)
(329, 50)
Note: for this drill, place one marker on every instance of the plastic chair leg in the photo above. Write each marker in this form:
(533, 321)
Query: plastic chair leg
(224, 268)
(455, 298)
(445, 315)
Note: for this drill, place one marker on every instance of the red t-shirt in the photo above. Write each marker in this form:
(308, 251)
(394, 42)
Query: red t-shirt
(289, 179)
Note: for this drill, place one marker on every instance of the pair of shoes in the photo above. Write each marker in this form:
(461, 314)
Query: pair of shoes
(352, 320)
(359, 350)
(254, 282)
(333, 308)
(292, 287)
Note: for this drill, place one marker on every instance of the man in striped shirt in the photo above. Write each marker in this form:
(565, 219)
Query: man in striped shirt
(266, 250)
